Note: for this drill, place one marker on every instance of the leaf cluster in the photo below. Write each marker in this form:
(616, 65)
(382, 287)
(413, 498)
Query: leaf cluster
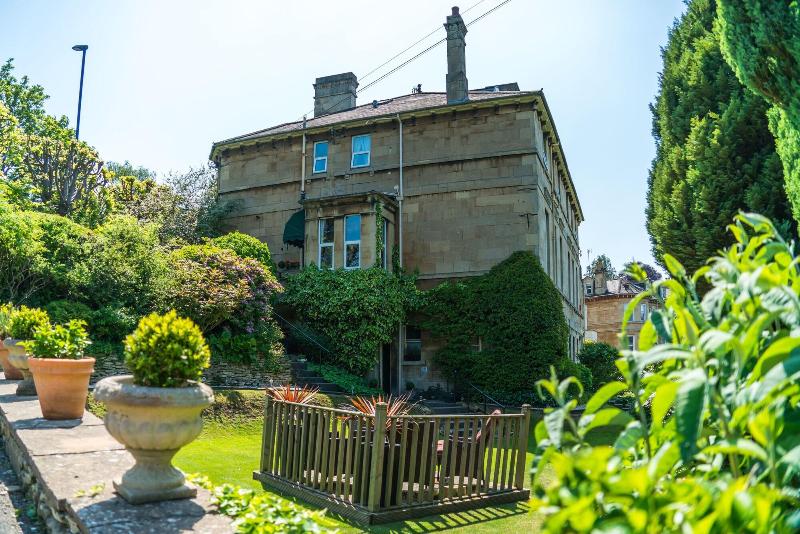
(64, 342)
(712, 441)
(24, 322)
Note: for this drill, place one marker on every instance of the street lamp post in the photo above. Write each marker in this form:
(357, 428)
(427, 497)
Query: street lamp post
(82, 49)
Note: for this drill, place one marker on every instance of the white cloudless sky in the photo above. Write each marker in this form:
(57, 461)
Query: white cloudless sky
(165, 79)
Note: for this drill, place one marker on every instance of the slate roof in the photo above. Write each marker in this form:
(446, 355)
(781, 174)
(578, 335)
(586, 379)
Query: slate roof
(390, 106)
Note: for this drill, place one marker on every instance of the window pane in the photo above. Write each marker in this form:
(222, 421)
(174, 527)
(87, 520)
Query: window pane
(321, 149)
(361, 143)
(360, 160)
(352, 256)
(413, 333)
(326, 230)
(413, 352)
(320, 165)
(326, 257)
(352, 228)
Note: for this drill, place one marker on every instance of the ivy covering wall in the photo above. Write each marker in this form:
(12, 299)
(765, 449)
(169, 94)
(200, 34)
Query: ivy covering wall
(501, 331)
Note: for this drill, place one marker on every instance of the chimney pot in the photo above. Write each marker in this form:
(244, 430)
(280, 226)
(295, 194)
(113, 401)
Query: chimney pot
(456, 80)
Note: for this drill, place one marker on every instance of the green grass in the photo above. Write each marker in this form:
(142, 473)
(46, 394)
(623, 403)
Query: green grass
(228, 451)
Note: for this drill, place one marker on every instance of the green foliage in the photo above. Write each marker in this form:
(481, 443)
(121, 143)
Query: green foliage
(5, 318)
(714, 151)
(65, 342)
(567, 368)
(228, 297)
(607, 265)
(245, 246)
(713, 442)
(352, 384)
(20, 256)
(166, 351)
(122, 266)
(262, 513)
(63, 311)
(357, 311)
(63, 247)
(600, 358)
(516, 313)
(761, 43)
(111, 323)
(25, 321)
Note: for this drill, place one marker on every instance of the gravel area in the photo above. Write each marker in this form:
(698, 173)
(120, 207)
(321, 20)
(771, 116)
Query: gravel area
(17, 513)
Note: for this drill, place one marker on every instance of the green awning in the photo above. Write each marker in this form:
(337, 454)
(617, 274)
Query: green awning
(294, 233)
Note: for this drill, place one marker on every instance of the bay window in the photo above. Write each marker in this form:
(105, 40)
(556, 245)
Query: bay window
(326, 243)
(352, 241)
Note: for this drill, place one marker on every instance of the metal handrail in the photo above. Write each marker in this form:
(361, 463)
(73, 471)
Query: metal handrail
(298, 329)
(485, 397)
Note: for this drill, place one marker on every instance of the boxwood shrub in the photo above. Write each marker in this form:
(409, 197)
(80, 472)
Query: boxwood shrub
(166, 351)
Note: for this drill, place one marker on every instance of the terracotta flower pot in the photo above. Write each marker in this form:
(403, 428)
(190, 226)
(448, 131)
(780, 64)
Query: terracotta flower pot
(19, 359)
(62, 385)
(153, 424)
(10, 372)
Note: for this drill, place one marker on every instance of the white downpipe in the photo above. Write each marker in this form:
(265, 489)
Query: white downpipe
(303, 162)
(401, 328)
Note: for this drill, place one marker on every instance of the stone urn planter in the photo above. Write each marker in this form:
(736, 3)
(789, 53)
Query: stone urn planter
(18, 357)
(62, 386)
(153, 423)
(10, 372)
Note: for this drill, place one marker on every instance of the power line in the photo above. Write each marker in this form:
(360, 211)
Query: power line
(411, 59)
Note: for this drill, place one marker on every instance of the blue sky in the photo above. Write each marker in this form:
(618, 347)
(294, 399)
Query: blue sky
(164, 79)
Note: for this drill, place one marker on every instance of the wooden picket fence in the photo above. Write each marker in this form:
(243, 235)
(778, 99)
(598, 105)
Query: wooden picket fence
(377, 468)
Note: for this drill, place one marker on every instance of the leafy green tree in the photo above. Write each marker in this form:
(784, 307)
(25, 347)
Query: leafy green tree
(652, 272)
(608, 267)
(25, 101)
(761, 42)
(714, 151)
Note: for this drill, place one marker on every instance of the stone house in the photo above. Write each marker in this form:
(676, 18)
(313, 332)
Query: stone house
(457, 180)
(606, 300)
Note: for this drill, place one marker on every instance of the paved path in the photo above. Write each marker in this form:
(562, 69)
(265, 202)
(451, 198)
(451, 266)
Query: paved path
(17, 514)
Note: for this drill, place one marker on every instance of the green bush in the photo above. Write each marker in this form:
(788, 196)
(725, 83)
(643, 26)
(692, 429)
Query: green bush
(123, 266)
(713, 442)
(111, 323)
(20, 256)
(567, 367)
(166, 351)
(245, 246)
(600, 358)
(5, 318)
(63, 311)
(25, 321)
(228, 297)
(63, 247)
(66, 342)
(516, 313)
(352, 384)
(357, 311)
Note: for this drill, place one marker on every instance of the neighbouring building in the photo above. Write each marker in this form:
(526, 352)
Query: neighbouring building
(458, 180)
(606, 300)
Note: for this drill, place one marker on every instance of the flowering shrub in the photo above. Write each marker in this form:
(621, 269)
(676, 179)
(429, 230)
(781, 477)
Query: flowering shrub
(166, 351)
(245, 246)
(228, 297)
(712, 445)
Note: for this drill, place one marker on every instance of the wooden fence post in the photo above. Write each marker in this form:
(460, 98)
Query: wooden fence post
(522, 439)
(376, 465)
(267, 438)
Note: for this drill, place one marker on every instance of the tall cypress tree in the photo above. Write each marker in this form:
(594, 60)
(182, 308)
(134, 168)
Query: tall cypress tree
(714, 151)
(761, 42)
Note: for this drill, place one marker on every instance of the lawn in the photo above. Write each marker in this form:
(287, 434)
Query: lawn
(228, 451)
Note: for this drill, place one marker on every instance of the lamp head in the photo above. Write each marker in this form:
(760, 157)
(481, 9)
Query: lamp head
(80, 48)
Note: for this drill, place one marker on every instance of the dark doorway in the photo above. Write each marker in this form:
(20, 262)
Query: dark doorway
(386, 368)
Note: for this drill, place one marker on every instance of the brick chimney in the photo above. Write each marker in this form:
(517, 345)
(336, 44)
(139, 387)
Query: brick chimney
(457, 89)
(599, 278)
(335, 93)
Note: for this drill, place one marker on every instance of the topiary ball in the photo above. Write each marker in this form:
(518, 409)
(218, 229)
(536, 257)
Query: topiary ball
(166, 351)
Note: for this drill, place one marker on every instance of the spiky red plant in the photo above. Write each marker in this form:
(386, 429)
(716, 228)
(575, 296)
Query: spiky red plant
(294, 393)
